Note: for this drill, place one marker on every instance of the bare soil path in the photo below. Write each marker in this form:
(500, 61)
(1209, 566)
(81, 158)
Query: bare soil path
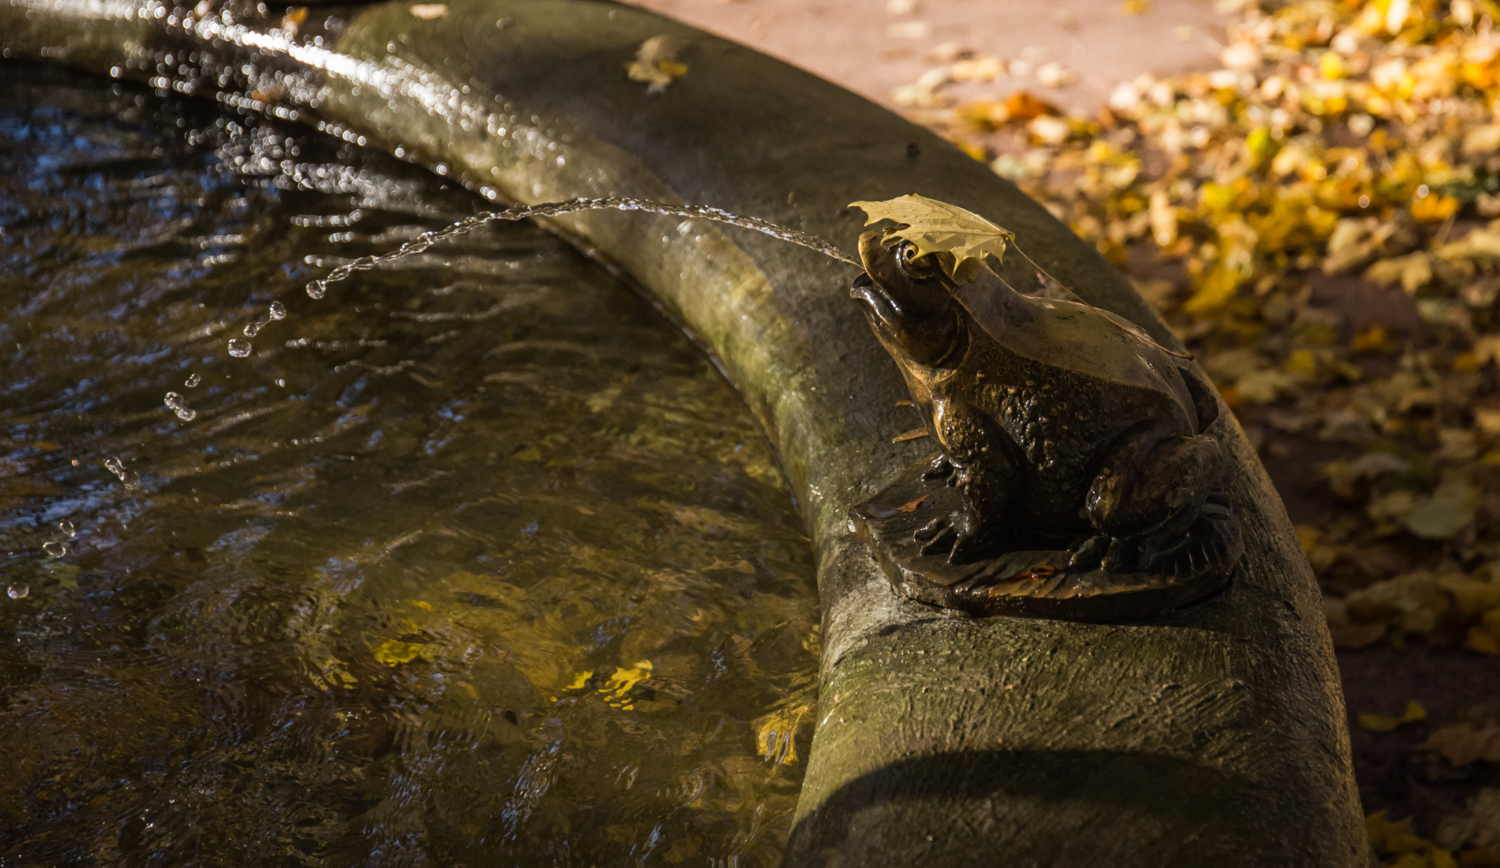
(873, 47)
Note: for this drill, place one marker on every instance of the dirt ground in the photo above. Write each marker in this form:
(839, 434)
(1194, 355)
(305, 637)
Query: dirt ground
(873, 47)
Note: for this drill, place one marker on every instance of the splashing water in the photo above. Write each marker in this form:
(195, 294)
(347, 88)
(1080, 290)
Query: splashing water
(131, 479)
(180, 407)
(239, 349)
(192, 380)
(68, 528)
(277, 311)
(18, 591)
(55, 549)
(319, 288)
(253, 327)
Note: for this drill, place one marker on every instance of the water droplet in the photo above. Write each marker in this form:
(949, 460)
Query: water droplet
(68, 528)
(280, 382)
(180, 407)
(317, 289)
(18, 591)
(252, 329)
(239, 349)
(55, 549)
(277, 311)
(192, 381)
(117, 467)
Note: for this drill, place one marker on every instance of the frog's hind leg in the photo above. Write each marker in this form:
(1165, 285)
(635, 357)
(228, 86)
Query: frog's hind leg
(1147, 496)
(978, 454)
(1213, 539)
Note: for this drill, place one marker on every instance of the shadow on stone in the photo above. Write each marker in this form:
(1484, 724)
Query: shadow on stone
(1103, 808)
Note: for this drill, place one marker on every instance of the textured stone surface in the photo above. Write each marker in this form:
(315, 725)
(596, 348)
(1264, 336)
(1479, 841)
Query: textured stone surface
(1213, 736)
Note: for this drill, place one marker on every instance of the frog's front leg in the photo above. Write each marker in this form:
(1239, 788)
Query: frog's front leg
(1149, 491)
(976, 462)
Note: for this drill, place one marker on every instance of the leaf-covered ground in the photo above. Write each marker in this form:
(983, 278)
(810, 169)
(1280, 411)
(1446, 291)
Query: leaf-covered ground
(1318, 220)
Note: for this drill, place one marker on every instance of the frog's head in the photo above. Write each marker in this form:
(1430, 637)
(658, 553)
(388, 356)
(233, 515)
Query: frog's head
(908, 301)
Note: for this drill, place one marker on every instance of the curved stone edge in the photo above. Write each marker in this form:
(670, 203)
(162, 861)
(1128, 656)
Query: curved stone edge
(1214, 735)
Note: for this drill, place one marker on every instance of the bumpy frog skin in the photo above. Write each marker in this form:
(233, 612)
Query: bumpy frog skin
(1057, 420)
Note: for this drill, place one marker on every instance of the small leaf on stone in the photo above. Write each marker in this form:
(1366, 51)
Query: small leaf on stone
(656, 63)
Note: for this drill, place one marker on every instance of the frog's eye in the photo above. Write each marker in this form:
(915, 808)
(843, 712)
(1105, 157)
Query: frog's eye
(914, 266)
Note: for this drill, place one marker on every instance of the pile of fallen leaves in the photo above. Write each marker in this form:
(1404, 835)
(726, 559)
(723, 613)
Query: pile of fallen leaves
(1318, 220)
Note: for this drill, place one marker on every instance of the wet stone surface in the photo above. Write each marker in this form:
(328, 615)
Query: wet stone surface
(476, 561)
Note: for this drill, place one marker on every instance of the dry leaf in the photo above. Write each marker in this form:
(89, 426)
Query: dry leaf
(1445, 513)
(913, 434)
(1021, 105)
(911, 505)
(937, 227)
(1466, 742)
(1478, 826)
(393, 652)
(656, 63)
(1385, 723)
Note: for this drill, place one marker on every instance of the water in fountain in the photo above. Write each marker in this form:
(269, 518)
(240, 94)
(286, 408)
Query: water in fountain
(485, 565)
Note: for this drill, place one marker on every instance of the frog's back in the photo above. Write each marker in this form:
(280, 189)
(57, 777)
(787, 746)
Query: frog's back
(1088, 344)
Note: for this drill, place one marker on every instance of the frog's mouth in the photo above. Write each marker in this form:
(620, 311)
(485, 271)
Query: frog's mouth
(879, 307)
(910, 332)
(863, 288)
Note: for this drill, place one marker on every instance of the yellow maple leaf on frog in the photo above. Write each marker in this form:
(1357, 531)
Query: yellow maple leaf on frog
(963, 239)
(938, 227)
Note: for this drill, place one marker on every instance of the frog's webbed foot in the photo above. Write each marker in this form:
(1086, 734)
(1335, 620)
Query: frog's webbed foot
(952, 535)
(967, 532)
(1186, 546)
(1089, 553)
(936, 536)
(1213, 537)
(1112, 554)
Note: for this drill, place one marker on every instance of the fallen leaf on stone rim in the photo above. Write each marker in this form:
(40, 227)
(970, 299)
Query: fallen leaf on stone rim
(656, 63)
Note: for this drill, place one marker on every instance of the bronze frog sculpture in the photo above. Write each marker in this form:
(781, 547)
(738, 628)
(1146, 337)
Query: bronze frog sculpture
(1075, 478)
